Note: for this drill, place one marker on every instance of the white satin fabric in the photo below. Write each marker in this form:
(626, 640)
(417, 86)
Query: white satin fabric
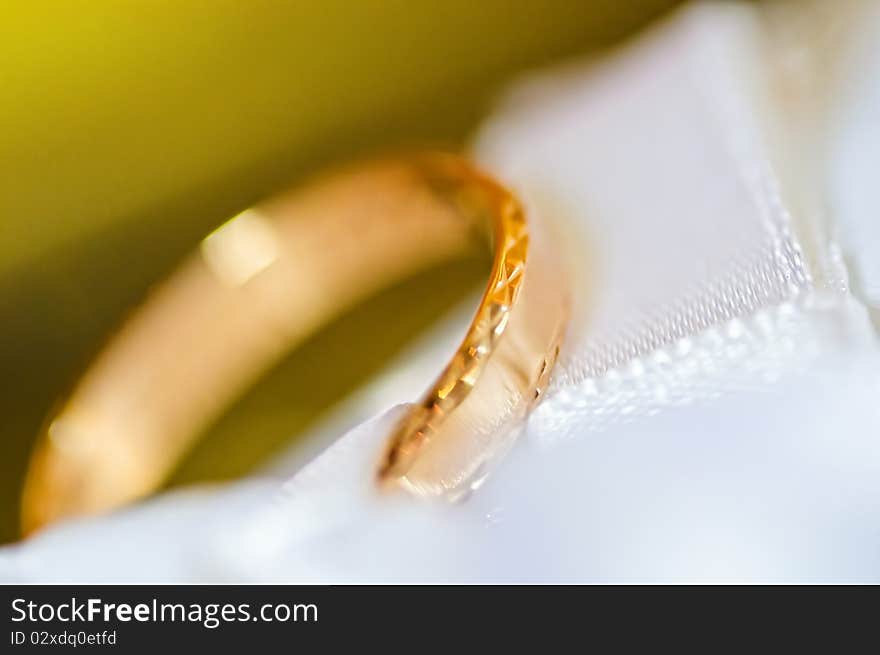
(715, 412)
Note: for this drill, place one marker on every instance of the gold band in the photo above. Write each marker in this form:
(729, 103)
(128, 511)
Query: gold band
(444, 444)
(268, 278)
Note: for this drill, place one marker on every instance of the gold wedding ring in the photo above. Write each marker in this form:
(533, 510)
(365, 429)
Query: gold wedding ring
(264, 281)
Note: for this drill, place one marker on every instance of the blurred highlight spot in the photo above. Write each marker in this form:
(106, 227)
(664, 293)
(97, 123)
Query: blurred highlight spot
(240, 248)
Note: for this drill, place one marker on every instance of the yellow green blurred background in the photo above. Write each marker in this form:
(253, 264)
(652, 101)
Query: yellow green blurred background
(129, 128)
